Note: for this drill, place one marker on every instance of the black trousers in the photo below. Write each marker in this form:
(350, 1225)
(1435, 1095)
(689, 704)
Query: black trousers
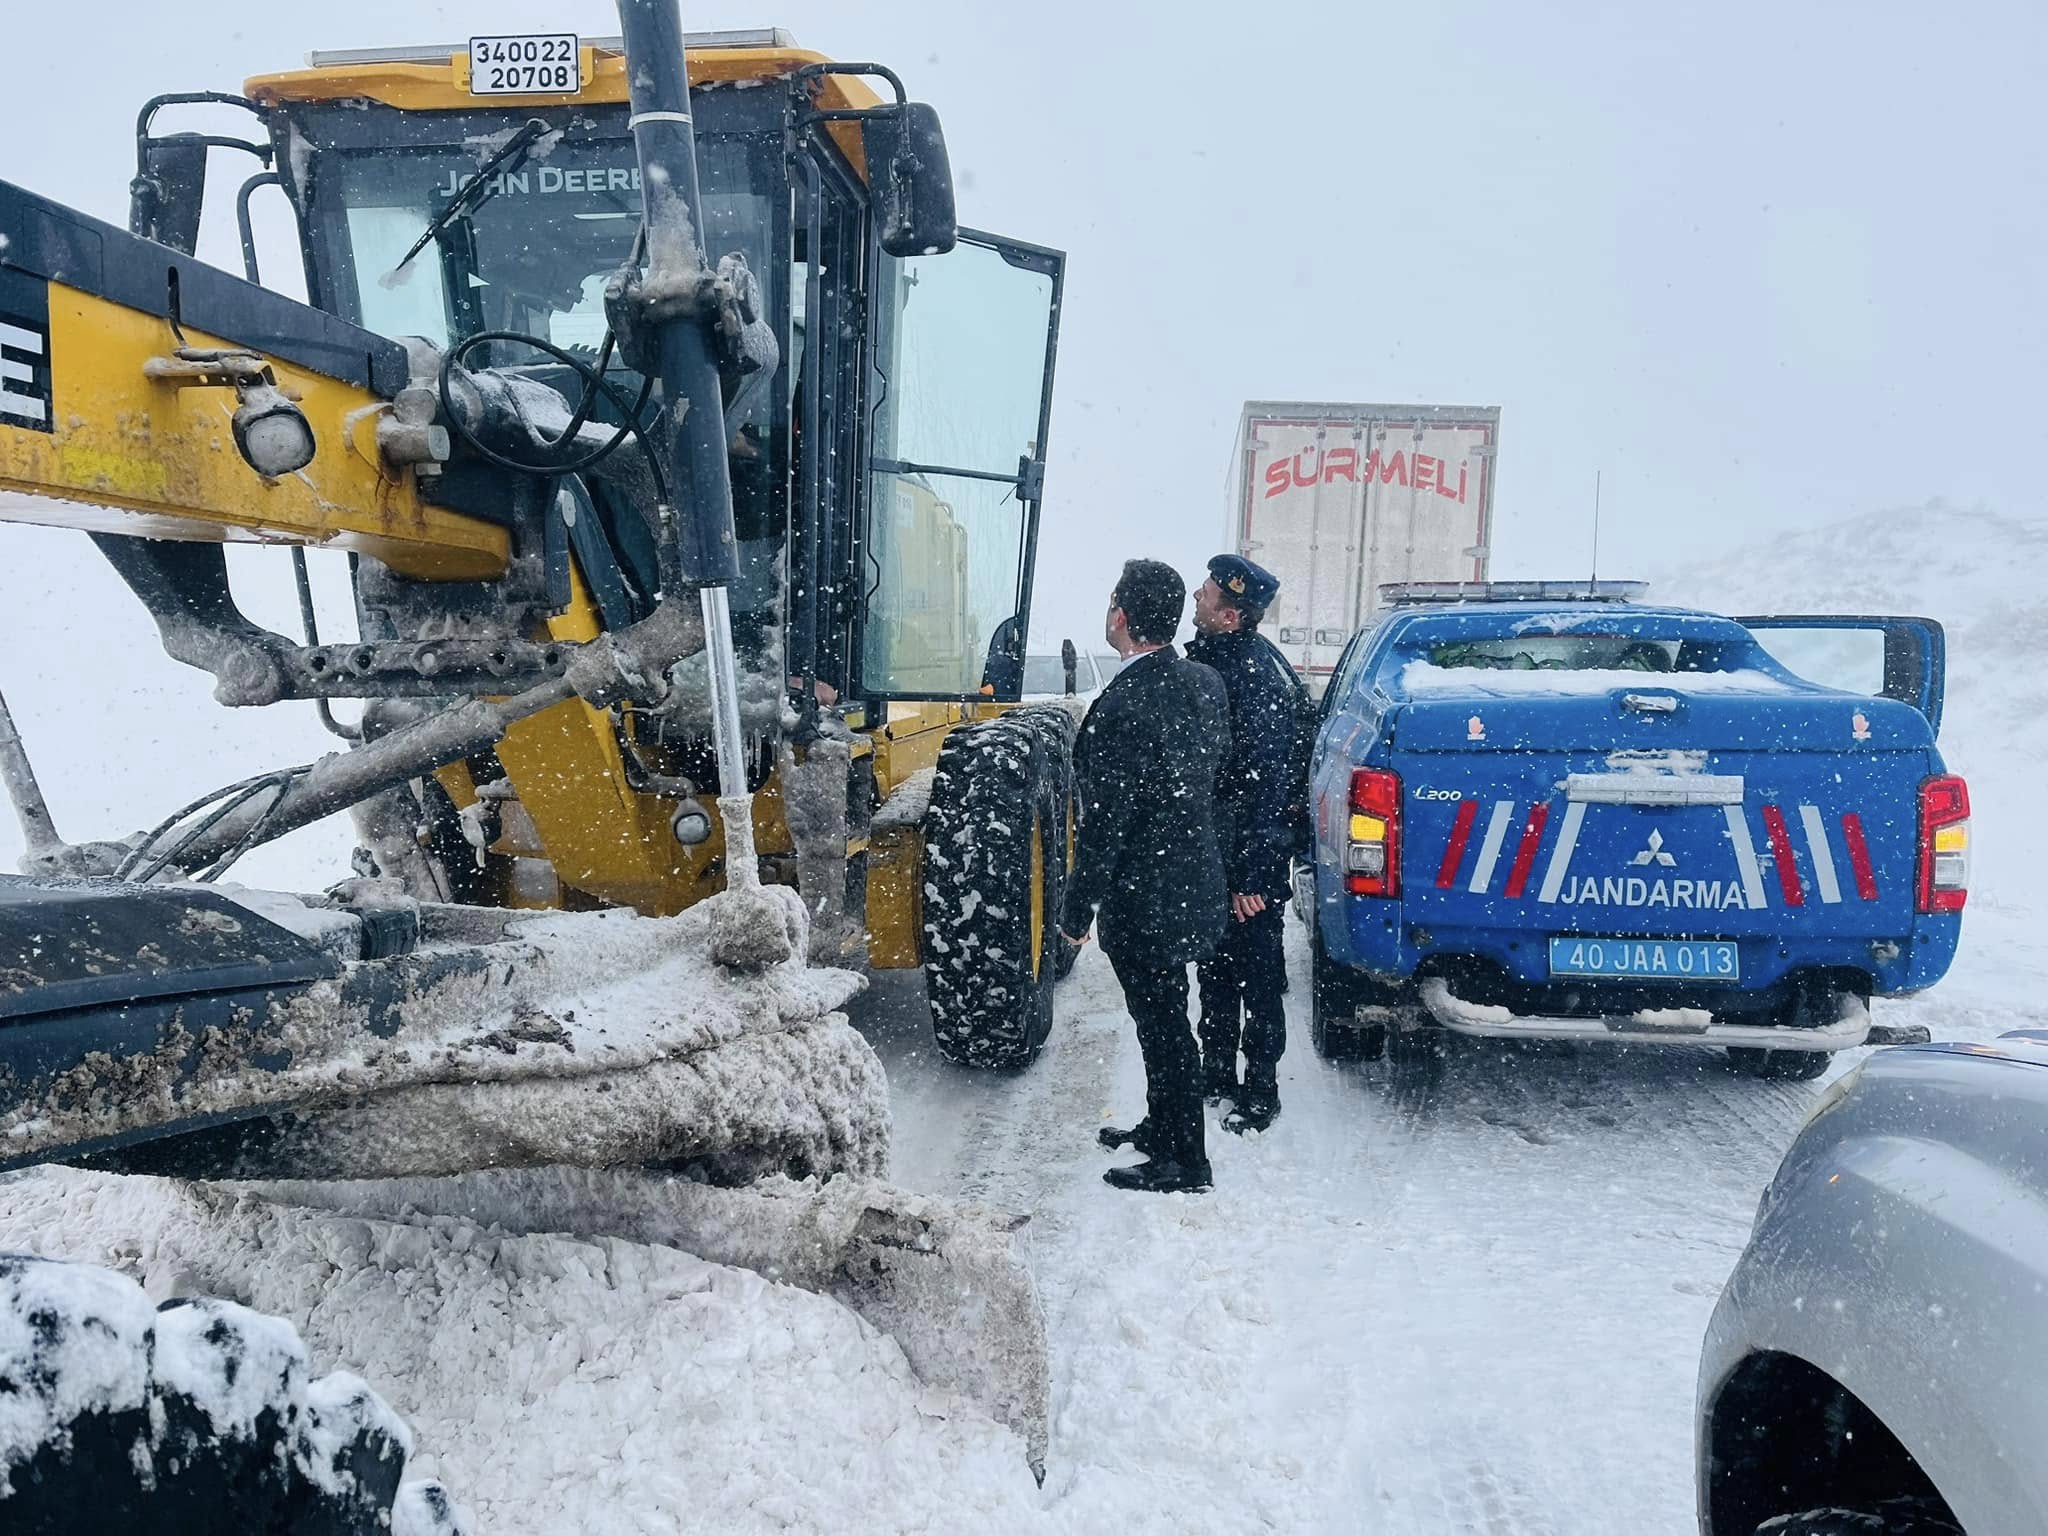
(1241, 988)
(1158, 1002)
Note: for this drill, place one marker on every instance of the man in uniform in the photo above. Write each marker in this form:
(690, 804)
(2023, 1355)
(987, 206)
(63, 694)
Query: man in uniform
(1242, 982)
(1148, 860)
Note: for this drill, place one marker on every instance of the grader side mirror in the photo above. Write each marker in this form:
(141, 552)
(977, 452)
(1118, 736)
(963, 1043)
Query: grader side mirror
(1071, 661)
(166, 198)
(912, 179)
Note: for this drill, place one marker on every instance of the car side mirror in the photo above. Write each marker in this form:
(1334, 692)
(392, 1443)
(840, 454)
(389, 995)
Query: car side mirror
(911, 178)
(165, 199)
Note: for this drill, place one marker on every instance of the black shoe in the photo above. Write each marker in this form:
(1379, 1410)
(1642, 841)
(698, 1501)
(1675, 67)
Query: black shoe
(1138, 1136)
(1254, 1114)
(1161, 1177)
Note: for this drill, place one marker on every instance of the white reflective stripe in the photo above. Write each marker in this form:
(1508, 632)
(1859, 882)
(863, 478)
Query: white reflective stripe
(1745, 858)
(1489, 851)
(23, 406)
(16, 339)
(1823, 855)
(656, 117)
(1561, 855)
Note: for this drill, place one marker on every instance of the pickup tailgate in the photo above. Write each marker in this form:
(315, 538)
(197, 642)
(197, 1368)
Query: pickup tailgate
(1657, 813)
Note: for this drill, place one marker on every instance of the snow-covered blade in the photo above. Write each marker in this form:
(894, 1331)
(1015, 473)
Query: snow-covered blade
(597, 1039)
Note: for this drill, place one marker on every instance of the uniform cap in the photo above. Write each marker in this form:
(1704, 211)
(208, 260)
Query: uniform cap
(1244, 583)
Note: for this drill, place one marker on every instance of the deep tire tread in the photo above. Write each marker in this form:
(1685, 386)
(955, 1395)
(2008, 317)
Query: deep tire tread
(995, 778)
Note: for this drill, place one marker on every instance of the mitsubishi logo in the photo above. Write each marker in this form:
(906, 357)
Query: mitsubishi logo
(1655, 854)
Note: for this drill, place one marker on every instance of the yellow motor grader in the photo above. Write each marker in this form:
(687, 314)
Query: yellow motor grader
(480, 411)
(686, 458)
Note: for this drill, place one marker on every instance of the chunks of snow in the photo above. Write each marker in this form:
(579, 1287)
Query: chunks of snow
(74, 1342)
(204, 1406)
(230, 1362)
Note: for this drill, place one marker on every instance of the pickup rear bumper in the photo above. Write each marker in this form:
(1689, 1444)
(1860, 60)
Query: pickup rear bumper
(1659, 1026)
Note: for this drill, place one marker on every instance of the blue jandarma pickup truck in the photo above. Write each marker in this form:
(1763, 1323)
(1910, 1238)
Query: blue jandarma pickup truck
(1548, 811)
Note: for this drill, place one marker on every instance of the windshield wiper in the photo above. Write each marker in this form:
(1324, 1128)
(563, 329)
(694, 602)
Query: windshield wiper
(510, 155)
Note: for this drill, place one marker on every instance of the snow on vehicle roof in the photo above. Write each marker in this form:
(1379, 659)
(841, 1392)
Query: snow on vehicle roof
(1470, 620)
(1421, 677)
(1472, 649)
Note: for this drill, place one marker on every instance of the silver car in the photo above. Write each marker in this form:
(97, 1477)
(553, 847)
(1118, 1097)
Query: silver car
(1045, 675)
(1878, 1361)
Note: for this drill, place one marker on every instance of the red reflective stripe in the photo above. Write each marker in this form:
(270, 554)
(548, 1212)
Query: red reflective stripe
(1859, 856)
(1781, 850)
(1461, 834)
(1525, 854)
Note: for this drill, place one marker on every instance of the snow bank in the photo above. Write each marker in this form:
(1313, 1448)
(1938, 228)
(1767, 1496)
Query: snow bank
(1978, 572)
(947, 1281)
(569, 1383)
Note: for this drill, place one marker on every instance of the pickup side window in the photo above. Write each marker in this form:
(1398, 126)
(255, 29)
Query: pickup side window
(1345, 677)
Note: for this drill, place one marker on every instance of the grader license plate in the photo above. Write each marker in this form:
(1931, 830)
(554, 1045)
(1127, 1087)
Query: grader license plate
(526, 64)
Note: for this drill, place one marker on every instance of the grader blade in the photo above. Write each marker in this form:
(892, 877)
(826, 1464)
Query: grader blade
(949, 1282)
(177, 1030)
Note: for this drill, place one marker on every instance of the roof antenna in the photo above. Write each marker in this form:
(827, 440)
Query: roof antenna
(1593, 586)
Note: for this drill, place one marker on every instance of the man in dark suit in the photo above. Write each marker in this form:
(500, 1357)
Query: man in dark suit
(1242, 982)
(1148, 862)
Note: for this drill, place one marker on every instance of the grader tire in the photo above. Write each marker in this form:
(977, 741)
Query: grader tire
(994, 861)
(1056, 727)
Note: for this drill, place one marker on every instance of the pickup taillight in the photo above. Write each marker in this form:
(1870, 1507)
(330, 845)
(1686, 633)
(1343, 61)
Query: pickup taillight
(1372, 854)
(1944, 844)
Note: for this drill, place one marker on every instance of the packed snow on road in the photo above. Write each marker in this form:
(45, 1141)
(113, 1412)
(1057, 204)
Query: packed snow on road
(1460, 1297)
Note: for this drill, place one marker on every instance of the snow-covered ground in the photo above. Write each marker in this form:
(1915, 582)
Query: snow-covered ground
(1462, 1301)
(1468, 1301)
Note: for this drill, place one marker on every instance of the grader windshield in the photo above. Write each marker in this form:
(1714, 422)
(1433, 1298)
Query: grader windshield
(886, 478)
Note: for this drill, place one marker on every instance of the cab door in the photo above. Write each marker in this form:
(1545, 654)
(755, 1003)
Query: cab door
(960, 401)
(1887, 658)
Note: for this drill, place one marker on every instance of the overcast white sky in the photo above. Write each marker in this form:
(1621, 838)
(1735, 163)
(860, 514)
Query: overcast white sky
(1759, 264)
